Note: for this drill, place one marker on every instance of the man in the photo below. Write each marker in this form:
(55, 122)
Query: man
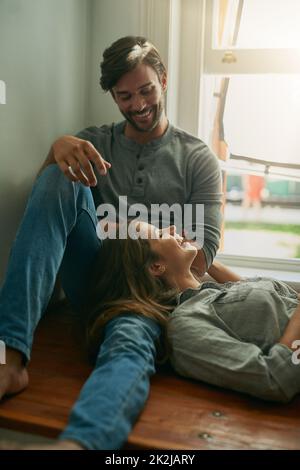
(149, 161)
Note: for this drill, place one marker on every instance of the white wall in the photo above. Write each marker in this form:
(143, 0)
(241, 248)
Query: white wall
(50, 54)
(42, 61)
(110, 19)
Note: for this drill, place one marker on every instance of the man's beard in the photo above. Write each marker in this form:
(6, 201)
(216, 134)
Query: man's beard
(157, 114)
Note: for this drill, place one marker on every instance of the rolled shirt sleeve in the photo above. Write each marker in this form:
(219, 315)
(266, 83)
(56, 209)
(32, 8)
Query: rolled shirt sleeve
(206, 190)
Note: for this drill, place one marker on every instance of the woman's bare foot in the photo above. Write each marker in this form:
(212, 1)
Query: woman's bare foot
(13, 374)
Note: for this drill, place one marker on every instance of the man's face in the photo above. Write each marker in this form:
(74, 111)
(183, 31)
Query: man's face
(140, 97)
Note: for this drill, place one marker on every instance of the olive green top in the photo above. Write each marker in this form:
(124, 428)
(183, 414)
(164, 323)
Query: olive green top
(227, 335)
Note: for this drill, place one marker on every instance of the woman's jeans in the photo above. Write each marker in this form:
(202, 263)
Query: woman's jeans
(58, 233)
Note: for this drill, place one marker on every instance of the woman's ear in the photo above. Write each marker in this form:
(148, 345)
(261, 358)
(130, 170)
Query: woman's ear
(157, 269)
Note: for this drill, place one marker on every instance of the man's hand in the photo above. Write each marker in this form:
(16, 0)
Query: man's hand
(74, 157)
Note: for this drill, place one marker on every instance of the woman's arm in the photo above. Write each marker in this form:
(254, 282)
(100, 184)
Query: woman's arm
(222, 274)
(202, 351)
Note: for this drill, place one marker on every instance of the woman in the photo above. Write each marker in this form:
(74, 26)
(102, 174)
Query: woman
(234, 333)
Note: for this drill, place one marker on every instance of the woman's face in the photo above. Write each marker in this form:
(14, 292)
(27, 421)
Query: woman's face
(174, 252)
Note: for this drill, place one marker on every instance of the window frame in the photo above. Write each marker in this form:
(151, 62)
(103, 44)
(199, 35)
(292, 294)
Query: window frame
(184, 23)
(249, 61)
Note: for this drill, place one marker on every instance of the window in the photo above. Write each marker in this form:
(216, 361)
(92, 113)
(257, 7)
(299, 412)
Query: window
(249, 114)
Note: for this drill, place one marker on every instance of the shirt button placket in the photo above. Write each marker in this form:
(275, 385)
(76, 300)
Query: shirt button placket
(138, 188)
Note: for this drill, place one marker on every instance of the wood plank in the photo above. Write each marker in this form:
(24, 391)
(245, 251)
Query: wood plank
(180, 413)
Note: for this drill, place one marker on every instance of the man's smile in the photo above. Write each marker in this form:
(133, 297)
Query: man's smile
(143, 116)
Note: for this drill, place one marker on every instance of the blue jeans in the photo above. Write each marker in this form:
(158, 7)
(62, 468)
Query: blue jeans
(58, 233)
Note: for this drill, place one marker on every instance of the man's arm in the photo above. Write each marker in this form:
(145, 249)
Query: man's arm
(199, 264)
(222, 274)
(206, 199)
(74, 157)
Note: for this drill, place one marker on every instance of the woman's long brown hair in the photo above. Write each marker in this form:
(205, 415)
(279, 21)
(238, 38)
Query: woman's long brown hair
(122, 283)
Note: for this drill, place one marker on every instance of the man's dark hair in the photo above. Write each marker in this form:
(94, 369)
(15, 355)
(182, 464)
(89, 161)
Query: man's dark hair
(124, 55)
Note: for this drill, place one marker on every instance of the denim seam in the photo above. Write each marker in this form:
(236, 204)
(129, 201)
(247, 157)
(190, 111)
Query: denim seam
(91, 214)
(86, 206)
(128, 397)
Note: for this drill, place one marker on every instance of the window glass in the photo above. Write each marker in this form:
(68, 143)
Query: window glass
(252, 122)
(262, 216)
(262, 24)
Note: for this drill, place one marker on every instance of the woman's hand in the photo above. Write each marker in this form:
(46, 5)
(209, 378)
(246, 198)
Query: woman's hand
(292, 330)
(74, 157)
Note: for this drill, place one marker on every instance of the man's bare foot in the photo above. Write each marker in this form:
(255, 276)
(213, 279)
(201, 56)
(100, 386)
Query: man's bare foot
(13, 374)
(57, 445)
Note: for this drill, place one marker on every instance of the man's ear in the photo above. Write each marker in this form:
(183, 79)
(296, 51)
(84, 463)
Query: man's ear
(164, 81)
(157, 269)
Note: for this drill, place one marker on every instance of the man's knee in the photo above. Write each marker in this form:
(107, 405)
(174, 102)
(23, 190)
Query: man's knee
(131, 334)
(53, 185)
(52, 176)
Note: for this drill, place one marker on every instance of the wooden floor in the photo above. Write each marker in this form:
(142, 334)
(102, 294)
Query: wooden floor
(180, 414)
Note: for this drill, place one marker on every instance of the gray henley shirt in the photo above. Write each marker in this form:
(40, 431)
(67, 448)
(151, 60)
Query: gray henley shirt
(176, 168)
